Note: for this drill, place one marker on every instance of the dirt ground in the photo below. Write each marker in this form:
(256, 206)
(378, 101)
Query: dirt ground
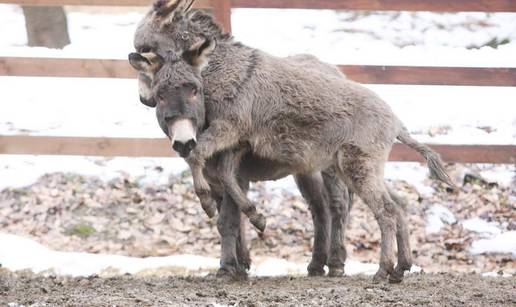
(422, 289)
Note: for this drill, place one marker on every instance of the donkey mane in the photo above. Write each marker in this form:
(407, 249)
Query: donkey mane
(205, 24)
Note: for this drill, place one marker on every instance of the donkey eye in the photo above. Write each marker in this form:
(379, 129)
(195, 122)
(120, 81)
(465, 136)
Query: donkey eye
(192, 87)
(145, 49)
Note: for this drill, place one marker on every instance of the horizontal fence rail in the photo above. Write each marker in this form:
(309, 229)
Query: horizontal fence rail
(62, 67)
(145, 147)
(373, 5)
(426, 75)
(370, 74)
(199, 3)
(221, 9)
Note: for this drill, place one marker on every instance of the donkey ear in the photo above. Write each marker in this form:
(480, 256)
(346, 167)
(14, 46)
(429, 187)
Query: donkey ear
(198, 54)
(167, 10)
(139, 62)
(145, 90)
(145, 62)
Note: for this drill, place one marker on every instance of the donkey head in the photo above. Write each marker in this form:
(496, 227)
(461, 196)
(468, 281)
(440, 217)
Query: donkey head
(173, 84)
(171, 25)
(165, 27)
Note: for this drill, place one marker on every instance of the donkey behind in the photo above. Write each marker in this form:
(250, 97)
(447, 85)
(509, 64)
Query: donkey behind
(303, 119)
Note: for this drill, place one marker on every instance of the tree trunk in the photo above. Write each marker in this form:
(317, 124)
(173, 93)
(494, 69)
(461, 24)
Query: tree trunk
(46, 26)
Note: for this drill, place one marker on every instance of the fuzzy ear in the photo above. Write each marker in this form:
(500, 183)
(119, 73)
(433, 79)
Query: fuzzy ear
(146, 62)
(145, 90)
(139, 62)
(167, 10)
(198, 54)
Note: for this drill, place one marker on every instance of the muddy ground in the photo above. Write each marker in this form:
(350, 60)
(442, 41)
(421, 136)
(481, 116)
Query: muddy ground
(422, 289)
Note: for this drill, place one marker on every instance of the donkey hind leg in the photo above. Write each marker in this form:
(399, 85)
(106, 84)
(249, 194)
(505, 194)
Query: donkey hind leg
(340, 201)
(312, 189)
(402, 238)
(228, 225)
(365, 177)
(228, 175)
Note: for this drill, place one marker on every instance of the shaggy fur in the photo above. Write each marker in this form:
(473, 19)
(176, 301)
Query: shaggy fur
(323, 192)
(303, 119)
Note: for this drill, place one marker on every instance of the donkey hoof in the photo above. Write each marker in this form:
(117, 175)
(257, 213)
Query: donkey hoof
(230, 275)
(209, 206)
(315, 273)
(210, 212)
(336, 272)
(259, 221)
(396, 277)
(380, 276)
(315, 268)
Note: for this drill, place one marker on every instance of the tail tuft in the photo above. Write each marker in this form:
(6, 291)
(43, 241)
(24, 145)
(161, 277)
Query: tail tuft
(435, 164)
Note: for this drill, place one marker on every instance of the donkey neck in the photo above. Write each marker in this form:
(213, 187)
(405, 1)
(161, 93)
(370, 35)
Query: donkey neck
(230, 67)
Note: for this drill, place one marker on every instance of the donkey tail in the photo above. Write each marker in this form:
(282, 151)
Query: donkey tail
(435, 164)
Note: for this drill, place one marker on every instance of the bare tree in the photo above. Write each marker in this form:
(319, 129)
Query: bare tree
(46, 26)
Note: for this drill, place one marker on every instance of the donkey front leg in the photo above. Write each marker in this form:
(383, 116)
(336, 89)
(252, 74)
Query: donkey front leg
(242, 251)
(243, 256)
(219, 136)
(228, 225)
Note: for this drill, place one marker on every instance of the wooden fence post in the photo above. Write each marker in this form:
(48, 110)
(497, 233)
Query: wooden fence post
(222, 13)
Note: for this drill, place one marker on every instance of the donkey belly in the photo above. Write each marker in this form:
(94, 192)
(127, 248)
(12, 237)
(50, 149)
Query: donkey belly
(292, 155)
(256, 168)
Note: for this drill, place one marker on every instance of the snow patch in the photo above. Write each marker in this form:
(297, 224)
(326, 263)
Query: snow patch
(23, 253)
(19, 171)
(481, 226)
(503, 175)
(504, 243)
(496, 274)
(413, 173)
(437, 216)
(277, 267)
(287, 184)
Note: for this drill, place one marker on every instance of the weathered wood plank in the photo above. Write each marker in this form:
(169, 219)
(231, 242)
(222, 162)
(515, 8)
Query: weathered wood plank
(222, 13)
(144, 147)
(502, 154)
(377, 5)
(426, 75)
(62, 67)
(386, 5)
(416, 75)
(85, 146)
(199, 3)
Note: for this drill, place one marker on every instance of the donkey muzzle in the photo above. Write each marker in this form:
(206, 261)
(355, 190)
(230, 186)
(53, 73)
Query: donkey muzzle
(183, 136)
(184, 149)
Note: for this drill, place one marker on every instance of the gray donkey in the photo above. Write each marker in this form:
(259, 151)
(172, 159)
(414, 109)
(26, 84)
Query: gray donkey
(318, 189)
(305, 120)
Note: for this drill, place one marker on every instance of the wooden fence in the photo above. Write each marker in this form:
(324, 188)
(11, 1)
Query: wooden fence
(412, 75)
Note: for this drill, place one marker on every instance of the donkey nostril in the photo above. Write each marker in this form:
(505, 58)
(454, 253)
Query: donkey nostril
(148, 102)
(184, 149)
(190, 145)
